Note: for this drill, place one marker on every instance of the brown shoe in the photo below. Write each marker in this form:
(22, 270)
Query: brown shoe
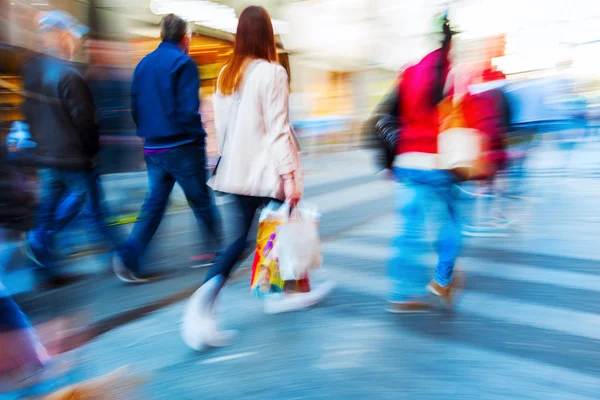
(448, 294)
(408, 307)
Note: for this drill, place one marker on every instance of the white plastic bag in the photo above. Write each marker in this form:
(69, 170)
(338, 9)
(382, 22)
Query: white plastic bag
(459, 147)
(275, 212)
(298, 245)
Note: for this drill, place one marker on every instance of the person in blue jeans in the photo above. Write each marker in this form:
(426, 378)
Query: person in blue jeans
(60, 111)
(165, 109)
(421, 194)
(425, 187)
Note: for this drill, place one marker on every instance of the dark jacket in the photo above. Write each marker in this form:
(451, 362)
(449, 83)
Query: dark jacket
(382, 128)
(165, 102)
(59, 109)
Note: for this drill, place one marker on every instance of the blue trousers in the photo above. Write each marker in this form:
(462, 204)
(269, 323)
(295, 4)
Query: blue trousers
(185, 165)
(423, 196)
(63, 194)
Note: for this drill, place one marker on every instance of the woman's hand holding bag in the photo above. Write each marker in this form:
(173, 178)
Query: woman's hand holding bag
(291, 190)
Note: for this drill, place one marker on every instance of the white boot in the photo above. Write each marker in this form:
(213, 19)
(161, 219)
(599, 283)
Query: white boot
(199, 328)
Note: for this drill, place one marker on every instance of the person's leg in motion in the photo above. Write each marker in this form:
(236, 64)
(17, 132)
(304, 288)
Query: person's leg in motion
(66, 212)
(56, 185)
(199, 326)
(407, 267)
(446, 282)
(247, 207)
(35, 242)
(100, 239)
(187, 164)
(98, 212)
(160, 185)
(70, 207)
(75, 199)
(22, 355)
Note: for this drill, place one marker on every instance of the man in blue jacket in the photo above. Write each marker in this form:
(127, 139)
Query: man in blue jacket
(165, 107)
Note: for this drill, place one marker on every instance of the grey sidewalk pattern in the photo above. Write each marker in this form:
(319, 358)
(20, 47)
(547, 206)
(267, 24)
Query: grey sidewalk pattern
(349, 195)
(526, 328)
(516, 334)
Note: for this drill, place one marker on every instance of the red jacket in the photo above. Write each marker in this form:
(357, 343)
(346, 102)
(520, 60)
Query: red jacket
(420, 91)
(487, 113)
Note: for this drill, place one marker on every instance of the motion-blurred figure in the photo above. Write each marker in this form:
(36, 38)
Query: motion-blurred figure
(485, 108)
(60, 111)
(22, 355)
(424, 188)
(165, 104)
(259, 164)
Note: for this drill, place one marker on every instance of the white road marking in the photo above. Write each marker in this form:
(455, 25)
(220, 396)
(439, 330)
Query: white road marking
(352, 196)
(215, 360)
(511, 271)
(568, 321)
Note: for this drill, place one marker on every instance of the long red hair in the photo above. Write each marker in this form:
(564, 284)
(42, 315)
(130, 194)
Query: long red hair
(254, 39)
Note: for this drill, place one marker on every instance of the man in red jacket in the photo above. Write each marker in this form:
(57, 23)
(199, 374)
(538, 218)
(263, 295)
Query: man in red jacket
(423, 184)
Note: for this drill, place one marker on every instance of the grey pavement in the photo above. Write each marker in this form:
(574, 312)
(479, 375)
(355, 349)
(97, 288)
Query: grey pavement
(106, 300)
(527, 327)
(558, 223)
(521, 331)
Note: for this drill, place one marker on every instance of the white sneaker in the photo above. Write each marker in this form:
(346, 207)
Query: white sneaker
(286, 302)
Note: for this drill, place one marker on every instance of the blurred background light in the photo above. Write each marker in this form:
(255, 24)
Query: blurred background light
(207, 13)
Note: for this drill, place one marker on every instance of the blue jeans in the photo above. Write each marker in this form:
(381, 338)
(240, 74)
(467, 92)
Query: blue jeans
(63, 194)
(248, 206)
(185, 165)
(423, 194)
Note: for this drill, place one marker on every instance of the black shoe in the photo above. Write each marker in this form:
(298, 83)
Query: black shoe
(124, 274)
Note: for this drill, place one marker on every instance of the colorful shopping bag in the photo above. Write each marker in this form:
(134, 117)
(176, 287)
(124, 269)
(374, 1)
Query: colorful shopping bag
(265, 278)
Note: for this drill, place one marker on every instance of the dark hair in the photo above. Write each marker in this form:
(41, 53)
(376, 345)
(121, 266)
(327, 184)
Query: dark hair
(173, 28)
(254, 39)
(448, 33)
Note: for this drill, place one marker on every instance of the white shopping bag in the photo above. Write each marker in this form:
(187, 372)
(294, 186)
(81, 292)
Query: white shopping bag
(459, 147)
(275, 212)
(298, 245)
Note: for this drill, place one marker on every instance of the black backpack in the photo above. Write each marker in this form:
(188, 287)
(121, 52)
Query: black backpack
(382, 129)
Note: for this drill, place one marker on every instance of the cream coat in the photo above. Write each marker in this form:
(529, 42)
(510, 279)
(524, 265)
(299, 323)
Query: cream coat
(255, 140)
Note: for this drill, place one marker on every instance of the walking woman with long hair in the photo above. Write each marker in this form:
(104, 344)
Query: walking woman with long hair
(260, 163)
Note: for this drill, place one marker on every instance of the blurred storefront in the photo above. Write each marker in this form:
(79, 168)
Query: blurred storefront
(343, 54)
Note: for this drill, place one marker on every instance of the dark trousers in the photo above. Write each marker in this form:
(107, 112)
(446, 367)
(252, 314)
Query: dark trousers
(63, 194)
(185, 165)
(248, 206)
